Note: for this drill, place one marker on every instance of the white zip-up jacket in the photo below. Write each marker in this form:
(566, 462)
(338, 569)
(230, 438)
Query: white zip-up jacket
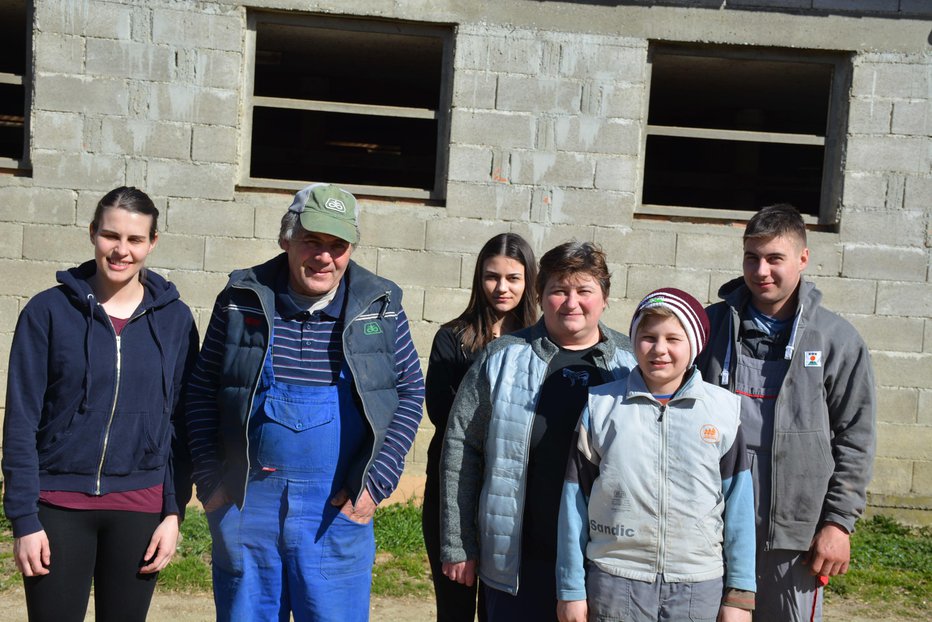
(657, 489)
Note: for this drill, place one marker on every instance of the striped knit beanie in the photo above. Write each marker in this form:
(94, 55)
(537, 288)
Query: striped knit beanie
(686, 309)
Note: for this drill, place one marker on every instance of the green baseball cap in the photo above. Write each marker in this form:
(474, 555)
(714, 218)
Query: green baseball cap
(325, 208)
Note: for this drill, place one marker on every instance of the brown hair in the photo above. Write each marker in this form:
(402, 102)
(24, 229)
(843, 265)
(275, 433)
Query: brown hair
(571, 259)
(132, 200)
(776, 220)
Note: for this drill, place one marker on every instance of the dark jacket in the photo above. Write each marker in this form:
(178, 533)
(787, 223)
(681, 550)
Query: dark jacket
(824, 418)
(220, 404)
(88, 411)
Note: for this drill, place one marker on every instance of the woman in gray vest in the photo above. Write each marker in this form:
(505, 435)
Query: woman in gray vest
(509, 433)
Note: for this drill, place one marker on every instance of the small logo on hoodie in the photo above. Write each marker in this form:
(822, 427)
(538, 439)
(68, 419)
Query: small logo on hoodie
(372, 328)
(813, 359)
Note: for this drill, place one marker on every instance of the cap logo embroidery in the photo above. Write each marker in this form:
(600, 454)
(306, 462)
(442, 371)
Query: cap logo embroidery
(372, 328)
(336, 205)
(813, 359)
(709, 434)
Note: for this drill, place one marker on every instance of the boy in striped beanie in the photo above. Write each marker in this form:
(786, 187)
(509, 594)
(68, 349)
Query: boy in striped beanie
(657, 514)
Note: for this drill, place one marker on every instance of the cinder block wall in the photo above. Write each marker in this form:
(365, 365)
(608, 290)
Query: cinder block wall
(548, 112)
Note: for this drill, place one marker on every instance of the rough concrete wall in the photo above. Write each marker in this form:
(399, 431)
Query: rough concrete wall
(547, 124)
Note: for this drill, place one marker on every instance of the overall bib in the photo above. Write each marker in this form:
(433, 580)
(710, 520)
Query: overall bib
(786, 592)
(288, 550)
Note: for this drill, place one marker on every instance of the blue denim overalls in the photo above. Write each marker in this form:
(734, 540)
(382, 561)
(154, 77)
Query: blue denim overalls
(288, 550)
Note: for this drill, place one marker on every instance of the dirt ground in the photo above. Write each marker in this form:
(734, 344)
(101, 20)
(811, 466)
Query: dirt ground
(168, 607)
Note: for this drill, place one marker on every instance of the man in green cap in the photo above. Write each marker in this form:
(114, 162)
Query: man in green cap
(304, 401)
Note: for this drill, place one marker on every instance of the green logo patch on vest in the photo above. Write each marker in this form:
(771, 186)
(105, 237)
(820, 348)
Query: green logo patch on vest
(372, 328)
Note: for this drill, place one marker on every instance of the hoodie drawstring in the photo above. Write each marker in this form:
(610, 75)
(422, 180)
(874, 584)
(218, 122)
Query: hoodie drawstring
(166, 382)
(88, 350)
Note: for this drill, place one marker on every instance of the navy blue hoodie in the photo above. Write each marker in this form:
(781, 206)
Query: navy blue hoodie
(91, 412)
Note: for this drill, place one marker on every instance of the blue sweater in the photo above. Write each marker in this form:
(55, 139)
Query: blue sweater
(87, 411)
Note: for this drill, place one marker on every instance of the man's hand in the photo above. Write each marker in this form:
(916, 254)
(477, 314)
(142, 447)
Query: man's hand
(830, 551)
(32, 554)
(360, 513)
(733, 614)
(162, 545)
(461, 572)
(218, 498)
(572, 610)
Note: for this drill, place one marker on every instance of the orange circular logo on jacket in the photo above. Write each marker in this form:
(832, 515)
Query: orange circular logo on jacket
(709, 434)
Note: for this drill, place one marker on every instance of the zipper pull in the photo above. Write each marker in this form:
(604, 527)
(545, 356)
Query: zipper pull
(723, 379)
(663, 409)
(385, 302)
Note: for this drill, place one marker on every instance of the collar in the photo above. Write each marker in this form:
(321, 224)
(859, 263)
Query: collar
(288, 309)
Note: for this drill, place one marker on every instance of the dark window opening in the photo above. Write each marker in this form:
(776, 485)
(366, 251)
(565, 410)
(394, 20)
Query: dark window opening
(13, 60)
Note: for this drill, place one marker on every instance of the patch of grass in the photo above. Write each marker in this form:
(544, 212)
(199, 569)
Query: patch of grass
(190, 568)
(401, 566)
(890, 564)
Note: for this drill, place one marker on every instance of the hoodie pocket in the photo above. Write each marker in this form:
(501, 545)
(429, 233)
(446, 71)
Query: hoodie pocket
(131, 446)
(804, 467)
(71, 444)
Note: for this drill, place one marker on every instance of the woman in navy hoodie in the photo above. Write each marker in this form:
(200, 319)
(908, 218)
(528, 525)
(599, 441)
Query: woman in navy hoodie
(94, 454)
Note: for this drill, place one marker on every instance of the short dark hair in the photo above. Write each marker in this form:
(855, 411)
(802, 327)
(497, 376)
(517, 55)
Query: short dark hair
(477, 320)
(571, 259)
(132, 200)
(776, 220)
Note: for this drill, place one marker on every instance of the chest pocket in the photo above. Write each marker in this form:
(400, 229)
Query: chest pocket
(299, 433)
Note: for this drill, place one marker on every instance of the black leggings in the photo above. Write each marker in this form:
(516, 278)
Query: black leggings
(104, 545)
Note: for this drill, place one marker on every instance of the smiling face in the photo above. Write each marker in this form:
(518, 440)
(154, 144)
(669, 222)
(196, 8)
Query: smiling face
(121, 244)
(772, 269)
(503, 283)
(316, 261)
(572, 308)
(661, 348)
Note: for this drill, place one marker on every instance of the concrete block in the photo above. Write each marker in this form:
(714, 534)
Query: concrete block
(90, 19)
(924, 410)
(392, 227)
(907, 299)
(869, 116)
(595, 135)
(97, 171)
(897, 405)
(626, 246)
(212, 143)
(888, 153)
(642, 280)
(890, 80)
(533, 94)
(227, 254)
(83, 94)
(825, 254)
(11, 241)
(140, 137)
(911, 442)
(496, 201)
(894, 369)
(178, 252)
(705, 251)
(199, 289)
(892, 476)
(918, 193)
(443, 304)
(889, 228)
(571, 206)
(193, 104)
(507, 54)
(922, 479)
(618, 313)
(543, 237)
(268, 219)
(556, 169)
(501, 129)
(847, 295)
(192, 179)
(460, 235)
(217, 69)
(211, 29)
(27, 278)
(623, 101)
(54, 243)
(60, 131)
(9, 312)
(911, 118)
(58, 53)
(474, 89)
(896, 334)
(617, 174)
(367, 257)
(424, 269)
(470, 164)
(413, 302)
(210, 218)
(863, 190)
(118, 59)
(588, 60)
(927, 338)
(885, 262)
